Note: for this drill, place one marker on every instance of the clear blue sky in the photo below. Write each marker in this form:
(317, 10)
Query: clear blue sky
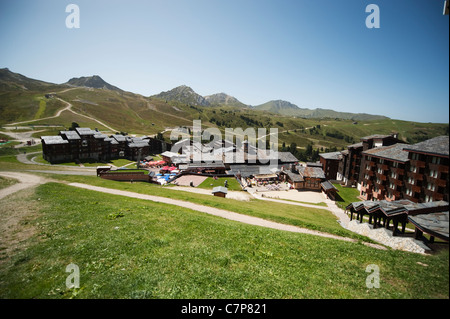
(311, 53)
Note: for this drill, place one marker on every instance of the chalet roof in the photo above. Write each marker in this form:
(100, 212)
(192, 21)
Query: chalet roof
(357, 145)
(375, 137)
(311, 172)
(293, 176)
(331, 155)
(85, 131)
(394, 152)
(138, 143)
(435, 146)
(100, 136)
(220, 189)
(54, 140)
(252, 170)
(328, 186)
(218, 164)
(70, 135)
(286, 157)
(119, 138)
(435, 224)
(402, 206)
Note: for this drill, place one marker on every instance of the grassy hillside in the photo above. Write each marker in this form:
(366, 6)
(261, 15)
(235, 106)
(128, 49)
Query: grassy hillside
(128, 248)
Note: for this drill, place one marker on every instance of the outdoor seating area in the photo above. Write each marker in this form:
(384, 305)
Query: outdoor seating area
(422, 215)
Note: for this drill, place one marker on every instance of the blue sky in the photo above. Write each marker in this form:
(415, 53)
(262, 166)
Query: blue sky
(311, 53)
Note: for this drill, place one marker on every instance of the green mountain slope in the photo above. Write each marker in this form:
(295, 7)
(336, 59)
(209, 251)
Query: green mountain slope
(289, 109)
(24, 99)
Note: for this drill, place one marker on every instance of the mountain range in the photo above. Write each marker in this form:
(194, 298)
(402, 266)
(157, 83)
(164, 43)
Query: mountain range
(185, 94)
(92, 102)
(182, 94)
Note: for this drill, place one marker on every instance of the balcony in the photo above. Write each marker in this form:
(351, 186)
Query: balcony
(384, 167)
(415, 176)
(371, 163)
(382, 177)
(396, 181)
(367, 189)
(416, 189)
(399, 171)
(438, 167)
(418, 164)
(437, 181)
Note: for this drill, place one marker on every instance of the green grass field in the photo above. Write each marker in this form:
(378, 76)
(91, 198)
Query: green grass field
(6, 182)
(210, 183)
(346, 195)
(128, 248)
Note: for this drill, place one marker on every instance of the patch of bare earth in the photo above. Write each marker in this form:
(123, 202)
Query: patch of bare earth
(17, 213)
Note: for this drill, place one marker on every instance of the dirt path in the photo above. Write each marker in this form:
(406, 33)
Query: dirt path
(219, 213)
(29, 180)
(25, 181)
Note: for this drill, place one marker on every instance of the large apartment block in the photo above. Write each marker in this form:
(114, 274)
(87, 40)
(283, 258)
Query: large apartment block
(351, 164)
(416, 172)
(85, 143)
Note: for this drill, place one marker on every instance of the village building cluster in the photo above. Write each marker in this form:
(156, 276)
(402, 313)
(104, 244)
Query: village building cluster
(383, 167)
(85, 143)
(398, 182)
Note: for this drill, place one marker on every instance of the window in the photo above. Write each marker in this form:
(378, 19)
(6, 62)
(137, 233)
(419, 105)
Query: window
(390, 194)
(381, 161)
(409, 192)
(380, 171)
(433, 173)
(394, 175)
(392, 185)
(395, 164)
(415, 156)
(413, 169)
(435, 160)
(428, 199)
(431, 187)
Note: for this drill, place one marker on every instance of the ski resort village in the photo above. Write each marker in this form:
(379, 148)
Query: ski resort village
(397, 183)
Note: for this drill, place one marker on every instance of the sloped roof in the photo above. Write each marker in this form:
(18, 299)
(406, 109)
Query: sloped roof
(331, 155)
(220, 189)
(435, 146)
(394, 152)
(311, 172)
(70, 135)
(54, 140)
(435, 224)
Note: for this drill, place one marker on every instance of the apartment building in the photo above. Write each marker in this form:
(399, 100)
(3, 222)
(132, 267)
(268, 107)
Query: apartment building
(351, 164)
(416, 172)
(85, 143)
